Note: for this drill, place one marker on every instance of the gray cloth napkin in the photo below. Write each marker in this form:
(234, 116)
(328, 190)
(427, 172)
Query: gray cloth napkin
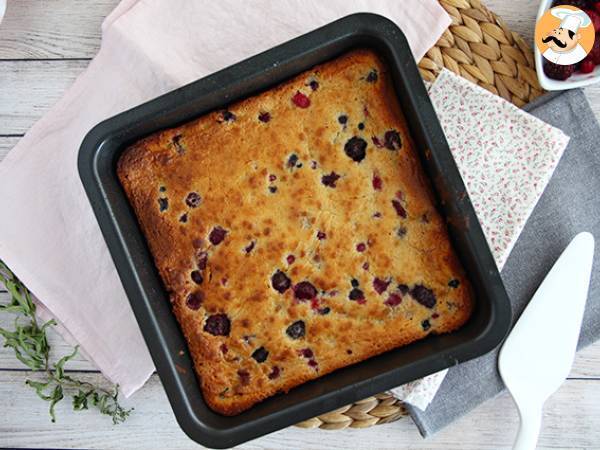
(570, 204)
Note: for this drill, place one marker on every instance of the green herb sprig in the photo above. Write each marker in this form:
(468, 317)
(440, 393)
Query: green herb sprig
(30, 344)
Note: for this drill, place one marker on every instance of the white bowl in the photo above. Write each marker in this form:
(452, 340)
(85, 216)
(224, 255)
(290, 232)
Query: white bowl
(576, 80)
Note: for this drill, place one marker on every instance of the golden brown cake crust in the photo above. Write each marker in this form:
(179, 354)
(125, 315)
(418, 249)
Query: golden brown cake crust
(296, 232)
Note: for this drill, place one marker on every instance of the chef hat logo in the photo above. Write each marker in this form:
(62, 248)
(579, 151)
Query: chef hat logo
(564, 35)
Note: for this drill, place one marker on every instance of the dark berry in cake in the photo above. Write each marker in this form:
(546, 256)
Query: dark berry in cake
(361, 247)
(272, 177)
(218, 325)
(354, 282)
(399, 208)
(228, 116)
(330, 180)
(163, 204)
(217, 235)
(356, 148)
(264, 117)
(305, 290)
(361, 126)
(321, 235)
(392, 140)
(372, 76)
(193, 199)
(250, 247)
(393, 300)
(423, 295)
(324, 311)
(274, 373)
(296, 330)
(314, 85)
(292, 160)
(403, 288)
(183, 218)
(426, 325)
(280, 282)
(260, 354)
(272, 189)
(162, 189)
(202, 260)
(197, 277)
(178, 144)
(343, 119)
(356, 295)
(401, 232)
(557, 71)
(380, 285)
(194, 300)
(454, 283)
(300, 100)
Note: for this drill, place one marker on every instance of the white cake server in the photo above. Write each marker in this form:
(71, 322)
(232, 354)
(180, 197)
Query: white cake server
(538, 354)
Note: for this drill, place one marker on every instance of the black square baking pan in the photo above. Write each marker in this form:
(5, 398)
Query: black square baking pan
(103, 145)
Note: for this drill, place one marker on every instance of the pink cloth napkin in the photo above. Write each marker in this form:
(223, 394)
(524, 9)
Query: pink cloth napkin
(51, 239)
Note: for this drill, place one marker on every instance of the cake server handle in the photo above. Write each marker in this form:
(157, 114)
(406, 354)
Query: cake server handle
(529, 427)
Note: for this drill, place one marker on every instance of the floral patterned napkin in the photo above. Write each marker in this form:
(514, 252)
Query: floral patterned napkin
(506, 157)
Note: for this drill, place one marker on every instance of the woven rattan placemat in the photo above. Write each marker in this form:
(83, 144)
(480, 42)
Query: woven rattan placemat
(481, 48)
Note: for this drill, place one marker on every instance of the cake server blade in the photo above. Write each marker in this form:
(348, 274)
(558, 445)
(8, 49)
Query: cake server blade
(538, 354)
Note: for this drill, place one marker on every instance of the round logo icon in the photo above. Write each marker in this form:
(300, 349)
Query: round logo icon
(564, 35)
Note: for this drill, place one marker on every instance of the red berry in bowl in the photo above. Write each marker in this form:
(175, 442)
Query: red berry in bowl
(587, 66)
(557, 71)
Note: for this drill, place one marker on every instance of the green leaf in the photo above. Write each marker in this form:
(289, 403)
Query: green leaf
(30, 344)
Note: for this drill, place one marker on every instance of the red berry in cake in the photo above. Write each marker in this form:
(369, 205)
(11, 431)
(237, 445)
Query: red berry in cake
(264, 117)
(244, 377)
(361, 247)
(393, 300)
(197, 277)
(558, 72)
(193, 199)
(306, 352)
(194, 300)
(305, 291)
(275, 371)
(321, 235)
(224, 349)
(218, 325)
(312, 363)
(330, 180)
(356, 148)
(377, 142)
(399, 208)
(423, 295)
(296, 330)
(300, 100)
(260, 354)
(290, 259)
(365, 266)
(377, 183)
(392, 140)
(595, 17)
(280, 282)
(217, 235)
(380, 285)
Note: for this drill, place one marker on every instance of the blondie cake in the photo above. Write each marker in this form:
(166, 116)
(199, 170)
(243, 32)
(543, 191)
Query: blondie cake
(296, 232)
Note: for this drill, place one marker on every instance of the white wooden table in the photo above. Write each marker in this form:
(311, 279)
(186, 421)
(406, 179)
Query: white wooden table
(44, 45)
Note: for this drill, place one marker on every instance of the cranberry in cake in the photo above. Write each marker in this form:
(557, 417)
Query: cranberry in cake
(295, 232)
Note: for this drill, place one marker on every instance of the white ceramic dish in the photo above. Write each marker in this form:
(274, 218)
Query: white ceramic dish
(574, 81)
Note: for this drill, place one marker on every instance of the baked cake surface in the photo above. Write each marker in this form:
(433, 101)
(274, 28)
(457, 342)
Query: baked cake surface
(296, 232)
